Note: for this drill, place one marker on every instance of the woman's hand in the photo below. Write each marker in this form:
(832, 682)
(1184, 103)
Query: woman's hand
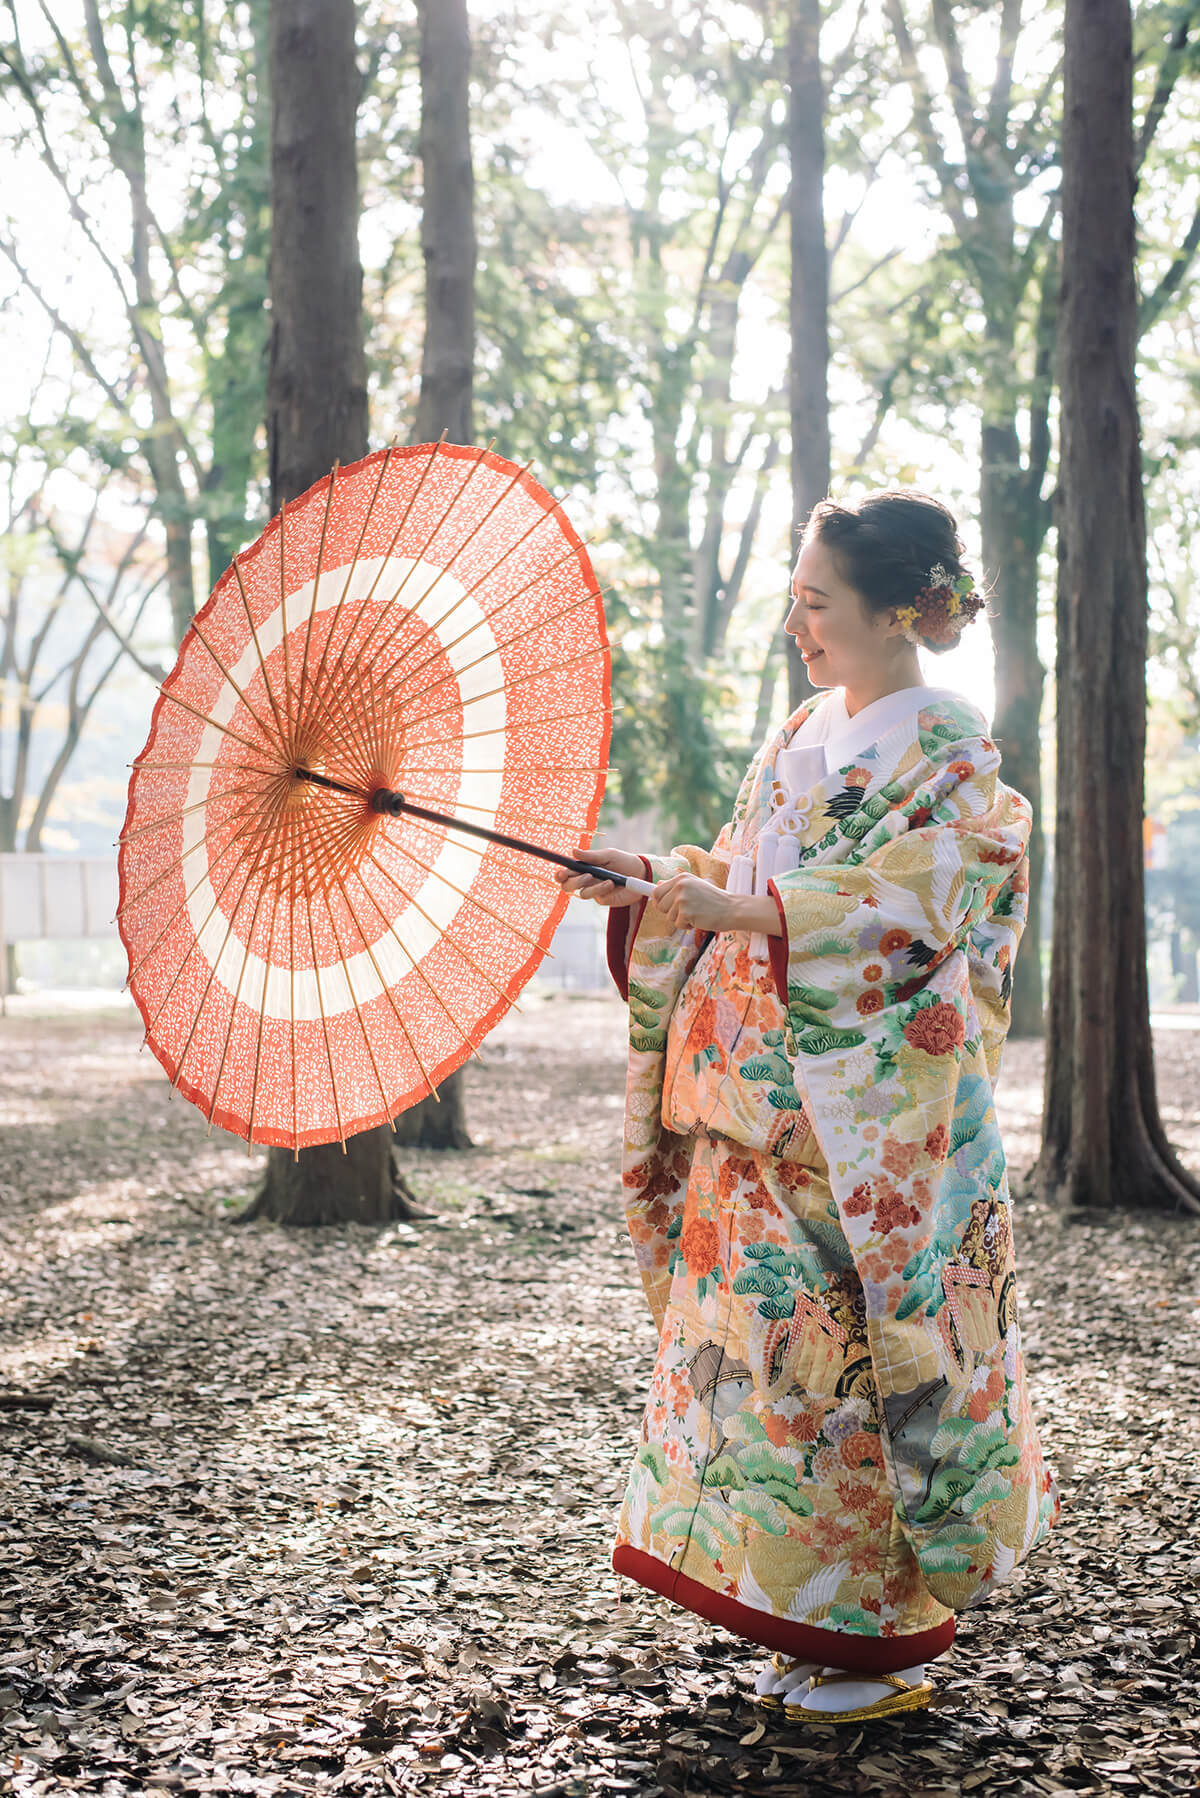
(604, 892)
(689, 903)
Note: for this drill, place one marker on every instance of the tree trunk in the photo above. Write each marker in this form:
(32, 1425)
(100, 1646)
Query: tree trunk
(439, 1123)
(809, 301)
(234, 378)
(447, 223)
(1103, 1140)
(1012, 527)
(317, 377)
(448, 355)
(316, 415)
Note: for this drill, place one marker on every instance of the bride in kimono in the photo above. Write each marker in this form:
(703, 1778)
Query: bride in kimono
(837, 1453)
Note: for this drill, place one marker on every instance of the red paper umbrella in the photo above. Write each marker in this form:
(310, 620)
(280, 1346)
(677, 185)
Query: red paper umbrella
(412, 657)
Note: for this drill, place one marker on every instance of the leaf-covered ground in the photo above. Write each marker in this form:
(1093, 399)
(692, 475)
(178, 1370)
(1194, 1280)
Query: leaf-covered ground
(330, 1511)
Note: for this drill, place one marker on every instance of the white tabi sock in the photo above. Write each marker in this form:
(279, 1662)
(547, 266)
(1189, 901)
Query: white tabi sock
(853, 1694)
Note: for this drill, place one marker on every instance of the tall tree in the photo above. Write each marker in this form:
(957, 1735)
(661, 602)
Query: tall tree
(1103, 1141)
(316, 415)
(809, 299)
(447, 223)
(448, 360)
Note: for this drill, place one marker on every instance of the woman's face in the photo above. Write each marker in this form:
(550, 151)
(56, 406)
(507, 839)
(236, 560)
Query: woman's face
(843, 642)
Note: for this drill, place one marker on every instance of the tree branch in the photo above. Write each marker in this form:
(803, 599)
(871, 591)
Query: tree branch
(1154, 304)
(922, 112)
(68, 331)
(957, 81)
(1168, 73)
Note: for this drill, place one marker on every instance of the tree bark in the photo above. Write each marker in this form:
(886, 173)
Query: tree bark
(439, 1123)
(316, 415)
(448, 357)
(1103, 1141)
(447, 223)
(1012, 528)
(809, 297)
(317, 376)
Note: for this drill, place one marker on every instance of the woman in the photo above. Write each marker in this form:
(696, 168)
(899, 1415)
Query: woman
(838, 1452)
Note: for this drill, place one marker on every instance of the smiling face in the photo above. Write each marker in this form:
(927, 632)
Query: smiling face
(844, 643)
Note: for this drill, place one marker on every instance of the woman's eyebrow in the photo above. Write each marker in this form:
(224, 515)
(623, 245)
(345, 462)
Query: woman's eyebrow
(801, 587)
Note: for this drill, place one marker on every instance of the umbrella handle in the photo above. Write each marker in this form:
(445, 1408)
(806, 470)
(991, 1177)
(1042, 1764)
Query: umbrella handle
(395, 805)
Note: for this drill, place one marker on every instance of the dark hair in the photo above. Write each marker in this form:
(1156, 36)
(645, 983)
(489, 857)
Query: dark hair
(886, 545)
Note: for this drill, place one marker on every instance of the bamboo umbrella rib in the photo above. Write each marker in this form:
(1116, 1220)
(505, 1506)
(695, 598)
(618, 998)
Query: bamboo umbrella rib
(385, 609)
(596, 711)
(288, 826)
(353, 563)
(329, 871)
(192, 946)
(444, 936)
(413, 962)
(198, 805)
(364, 603)
(352, 724)
(292, 1015)
(264, 728)
(444, 647)
(237, 573)
(245, 811)
(216, 724)
(312, 941)
(290, 739)
(280, 818)
(516, 680)
(510, 599)
(349, 749)
(312, 609)
(534, 580)
(469, 538)
(467, 897)
(486, 577)
(387, 991)
(216, 960)
(186, 767)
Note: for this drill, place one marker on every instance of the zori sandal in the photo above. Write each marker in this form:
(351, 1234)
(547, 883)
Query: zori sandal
(903, 1698)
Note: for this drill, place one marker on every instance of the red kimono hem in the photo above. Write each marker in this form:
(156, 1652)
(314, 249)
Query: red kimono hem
(831, 1647)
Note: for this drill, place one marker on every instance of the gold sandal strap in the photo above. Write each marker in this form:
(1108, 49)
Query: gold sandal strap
(876, 1679)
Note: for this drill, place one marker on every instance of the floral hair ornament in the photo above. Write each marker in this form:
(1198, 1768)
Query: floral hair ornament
(940, 611)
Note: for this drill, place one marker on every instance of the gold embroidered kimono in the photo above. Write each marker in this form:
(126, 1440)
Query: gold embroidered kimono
(838, 1435)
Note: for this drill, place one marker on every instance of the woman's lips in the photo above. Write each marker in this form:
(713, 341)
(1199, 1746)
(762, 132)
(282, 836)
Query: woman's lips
(810, 655)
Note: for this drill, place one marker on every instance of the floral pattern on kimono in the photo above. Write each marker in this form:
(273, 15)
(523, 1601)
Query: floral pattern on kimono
(817, 1196)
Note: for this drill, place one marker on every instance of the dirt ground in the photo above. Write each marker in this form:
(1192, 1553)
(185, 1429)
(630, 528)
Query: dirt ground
(330, 1511)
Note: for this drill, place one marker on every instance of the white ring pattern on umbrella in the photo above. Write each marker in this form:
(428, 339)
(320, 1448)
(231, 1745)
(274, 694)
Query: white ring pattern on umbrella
(480, 688)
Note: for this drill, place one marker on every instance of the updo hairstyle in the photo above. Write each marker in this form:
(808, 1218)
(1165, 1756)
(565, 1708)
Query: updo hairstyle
(887, 545)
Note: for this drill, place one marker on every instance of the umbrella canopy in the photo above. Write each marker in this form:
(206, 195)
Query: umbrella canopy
(307, 965)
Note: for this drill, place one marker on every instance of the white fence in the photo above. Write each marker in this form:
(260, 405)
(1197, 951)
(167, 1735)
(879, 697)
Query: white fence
(59, 897)
(47, 898)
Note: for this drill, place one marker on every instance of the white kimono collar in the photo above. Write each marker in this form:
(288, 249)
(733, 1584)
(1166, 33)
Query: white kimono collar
(843, 737)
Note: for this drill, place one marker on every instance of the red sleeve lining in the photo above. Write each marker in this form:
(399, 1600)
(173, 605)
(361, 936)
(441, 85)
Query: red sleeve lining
(777, 946)
(624, 922)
